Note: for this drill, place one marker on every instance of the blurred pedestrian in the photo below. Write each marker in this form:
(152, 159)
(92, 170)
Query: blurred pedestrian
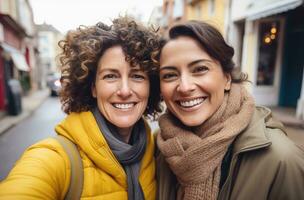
(108, 84)
(214, 142)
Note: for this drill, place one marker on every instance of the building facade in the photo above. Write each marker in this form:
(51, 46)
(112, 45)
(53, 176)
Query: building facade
(18, 57)
(211, 11)
(174, 11)
(48, 38)
(269, 36)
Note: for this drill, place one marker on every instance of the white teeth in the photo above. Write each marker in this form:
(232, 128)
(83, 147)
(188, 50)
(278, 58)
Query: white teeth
(123, 105)
(191, 103)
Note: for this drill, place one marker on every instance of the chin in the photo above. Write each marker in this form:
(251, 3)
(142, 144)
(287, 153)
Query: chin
(125, 123)
(191, 123)
(191, 119)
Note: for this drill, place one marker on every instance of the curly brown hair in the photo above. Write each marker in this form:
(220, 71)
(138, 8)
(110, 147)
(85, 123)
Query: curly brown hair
(83, 48)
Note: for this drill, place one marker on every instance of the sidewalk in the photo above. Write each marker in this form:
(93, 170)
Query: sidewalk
(288, 117)
(29, 105)
(294, 126)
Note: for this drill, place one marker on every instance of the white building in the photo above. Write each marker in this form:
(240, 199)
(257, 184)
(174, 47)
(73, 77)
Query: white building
(48, 38)
(268, 36)
(156, 16)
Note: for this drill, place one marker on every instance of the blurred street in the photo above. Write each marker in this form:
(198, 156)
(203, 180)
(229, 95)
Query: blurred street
(36, 127)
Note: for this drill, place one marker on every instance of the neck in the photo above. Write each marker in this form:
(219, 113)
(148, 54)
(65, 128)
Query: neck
(125, 133)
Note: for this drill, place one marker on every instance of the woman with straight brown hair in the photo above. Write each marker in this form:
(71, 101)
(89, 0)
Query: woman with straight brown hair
(214, 142)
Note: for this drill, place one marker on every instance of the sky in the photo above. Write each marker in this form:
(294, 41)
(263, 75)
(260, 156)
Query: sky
(65, 15)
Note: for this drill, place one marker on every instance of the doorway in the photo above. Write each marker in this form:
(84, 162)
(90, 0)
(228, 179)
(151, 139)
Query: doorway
(293, 59)
(269, 60)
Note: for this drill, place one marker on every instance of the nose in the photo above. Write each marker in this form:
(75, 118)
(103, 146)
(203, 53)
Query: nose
(124, 90)
(186, 85)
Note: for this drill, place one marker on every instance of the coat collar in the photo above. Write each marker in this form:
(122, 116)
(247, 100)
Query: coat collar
(255, 135)
(82, 129)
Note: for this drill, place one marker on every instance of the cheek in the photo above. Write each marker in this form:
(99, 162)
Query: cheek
(102, 97)
(212, 84)
(217, 90)
(103, 90)
(167, 91)
(143, 90)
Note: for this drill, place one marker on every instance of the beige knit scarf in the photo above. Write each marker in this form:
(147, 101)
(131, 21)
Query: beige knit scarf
(195, 154)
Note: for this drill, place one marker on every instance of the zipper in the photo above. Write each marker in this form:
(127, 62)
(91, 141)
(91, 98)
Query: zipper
(113, 158)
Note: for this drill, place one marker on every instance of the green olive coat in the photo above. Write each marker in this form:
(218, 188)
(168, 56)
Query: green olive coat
(265, 164)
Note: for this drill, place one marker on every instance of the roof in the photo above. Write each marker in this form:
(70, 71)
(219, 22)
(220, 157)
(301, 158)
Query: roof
(47, 27)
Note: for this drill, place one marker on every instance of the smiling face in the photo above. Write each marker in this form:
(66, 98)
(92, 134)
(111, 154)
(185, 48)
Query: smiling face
(122, 91)
(192, 83)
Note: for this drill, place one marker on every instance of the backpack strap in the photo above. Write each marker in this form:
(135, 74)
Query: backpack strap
(76, 181)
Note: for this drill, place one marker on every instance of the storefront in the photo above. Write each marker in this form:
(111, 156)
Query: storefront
(272, 51)
(13, 64)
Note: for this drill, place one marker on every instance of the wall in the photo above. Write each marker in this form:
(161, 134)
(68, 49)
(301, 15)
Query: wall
(214, 16)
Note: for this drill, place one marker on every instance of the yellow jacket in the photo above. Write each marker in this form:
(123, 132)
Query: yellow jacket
(43, 172)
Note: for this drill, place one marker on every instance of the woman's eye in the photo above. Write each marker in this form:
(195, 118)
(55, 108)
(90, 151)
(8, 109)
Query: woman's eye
(138, 77)
(200, 69)
(168, 76)
(109, 76)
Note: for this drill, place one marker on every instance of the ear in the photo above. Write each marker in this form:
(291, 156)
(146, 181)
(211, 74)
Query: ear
(93, 90)
(228, 82)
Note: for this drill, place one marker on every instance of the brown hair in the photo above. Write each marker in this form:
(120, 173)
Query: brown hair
(82, 49)
(212, 41)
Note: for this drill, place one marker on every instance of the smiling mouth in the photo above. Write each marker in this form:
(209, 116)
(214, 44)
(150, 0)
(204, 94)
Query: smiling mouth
(191, 103)
(124, 105)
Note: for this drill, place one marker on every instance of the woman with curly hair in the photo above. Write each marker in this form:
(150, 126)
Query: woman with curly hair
(108, 84)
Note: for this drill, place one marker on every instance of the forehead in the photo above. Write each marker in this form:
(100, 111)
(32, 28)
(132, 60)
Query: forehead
(113, 54)
(182, 49)
(114, 58)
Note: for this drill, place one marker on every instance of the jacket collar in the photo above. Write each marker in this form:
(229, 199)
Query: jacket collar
(82, 129)
(255, 135)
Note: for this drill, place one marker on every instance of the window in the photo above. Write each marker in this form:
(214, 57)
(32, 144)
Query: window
(178, 9)
(211, 7)
(197, 11)
(268, 45)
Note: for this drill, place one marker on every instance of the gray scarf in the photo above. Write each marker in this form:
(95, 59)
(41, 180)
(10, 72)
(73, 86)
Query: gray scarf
(128, 155)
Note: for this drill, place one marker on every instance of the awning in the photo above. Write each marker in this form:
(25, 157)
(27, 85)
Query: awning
(265, 8)
(17, 57)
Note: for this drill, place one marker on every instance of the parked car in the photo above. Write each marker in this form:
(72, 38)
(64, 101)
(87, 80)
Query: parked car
(53, 82)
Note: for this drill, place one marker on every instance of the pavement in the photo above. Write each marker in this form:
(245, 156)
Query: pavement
(294, 127)
(287, 116)
(30, 103)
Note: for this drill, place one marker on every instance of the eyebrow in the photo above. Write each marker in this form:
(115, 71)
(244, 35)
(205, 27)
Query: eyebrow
(117, 71)
(189, 65)
(167, 68)
(198, 61)
(107, 69)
